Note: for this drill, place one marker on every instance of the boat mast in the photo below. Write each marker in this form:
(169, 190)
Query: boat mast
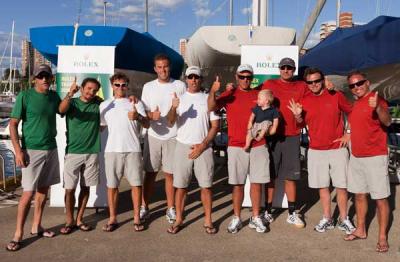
(338, 7)
(310, 23)
(10, 78)
(263, 13)
(230, 12)
(104, 12)
(146, 15)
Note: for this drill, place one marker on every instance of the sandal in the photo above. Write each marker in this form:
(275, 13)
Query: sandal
(382, 248)
(14, 246)
(211, 230)
(174, 229)
(67, 229)
(44, 233)
(84, 227)
(138, 227)
(110, 227)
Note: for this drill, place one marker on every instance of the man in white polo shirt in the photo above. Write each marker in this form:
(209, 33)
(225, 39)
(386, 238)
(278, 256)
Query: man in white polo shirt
(197, 127)
(159, 144)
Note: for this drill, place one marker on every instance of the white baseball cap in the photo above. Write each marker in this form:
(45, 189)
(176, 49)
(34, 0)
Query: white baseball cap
(193, 70)
(245, 67)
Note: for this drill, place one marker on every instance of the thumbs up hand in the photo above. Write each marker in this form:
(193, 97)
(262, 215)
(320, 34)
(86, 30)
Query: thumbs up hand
(156, 114)
(373, 101)
(175, 101)
(216, 85)
(133, 115)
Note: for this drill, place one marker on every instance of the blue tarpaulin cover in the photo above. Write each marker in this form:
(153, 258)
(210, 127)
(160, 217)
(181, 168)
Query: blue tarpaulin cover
(134, 51)
(361, 47)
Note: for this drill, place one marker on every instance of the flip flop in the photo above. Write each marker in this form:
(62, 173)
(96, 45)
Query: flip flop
(44, 233)
(211, 230)
(67, 229)
(174, 229)
(14, 246)
(382, 248)
(353, 237)
(110, 227)
(138, 227)
(84, 227)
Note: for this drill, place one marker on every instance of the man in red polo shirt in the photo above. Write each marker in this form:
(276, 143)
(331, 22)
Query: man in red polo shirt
(238, 103)
(322, 112)
(285, 145)
(368, 172)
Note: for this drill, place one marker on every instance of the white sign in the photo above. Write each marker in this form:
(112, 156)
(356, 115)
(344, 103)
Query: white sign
(82, 62)
(265, 62)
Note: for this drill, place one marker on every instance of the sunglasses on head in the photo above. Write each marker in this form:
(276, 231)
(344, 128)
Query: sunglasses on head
(193, 76)
(43, 75)
(357, 84)
(245, 77)
(120, 85)
(286, 67)
(316, 81)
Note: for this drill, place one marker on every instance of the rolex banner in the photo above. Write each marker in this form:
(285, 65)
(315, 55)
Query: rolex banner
(81, 62)
(265, 62)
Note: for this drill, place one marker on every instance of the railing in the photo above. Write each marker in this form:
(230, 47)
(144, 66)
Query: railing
(3, 166)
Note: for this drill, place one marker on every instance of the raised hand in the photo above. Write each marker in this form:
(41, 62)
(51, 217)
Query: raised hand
(328, 84)
(295, 107)
(156, 114)
(373, 101)
(175, 101)
(133, 115)
(216, 85)
(74, 88)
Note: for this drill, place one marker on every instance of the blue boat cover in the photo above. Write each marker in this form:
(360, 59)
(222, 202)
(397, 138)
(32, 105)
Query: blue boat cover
(134, 51)
(374, 44)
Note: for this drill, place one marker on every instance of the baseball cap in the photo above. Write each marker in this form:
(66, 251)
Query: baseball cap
(42, 68)
(193, 70)
(244, 67)
(287, 61)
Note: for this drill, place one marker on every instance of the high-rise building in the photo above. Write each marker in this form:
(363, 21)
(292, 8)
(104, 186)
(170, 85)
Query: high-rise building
(345, 21)
(31, 58)
(182, 47)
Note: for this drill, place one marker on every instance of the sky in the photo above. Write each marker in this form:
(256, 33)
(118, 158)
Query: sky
(170, 20)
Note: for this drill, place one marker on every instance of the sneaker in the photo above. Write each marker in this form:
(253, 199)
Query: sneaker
(268, 217)
(257, 224)
(346, 226)
(234, 225)
(171, 215)
(143, 213)
(324, 224)
(294, 219)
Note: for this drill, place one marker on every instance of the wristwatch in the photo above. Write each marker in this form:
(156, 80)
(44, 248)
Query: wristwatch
(348, 131)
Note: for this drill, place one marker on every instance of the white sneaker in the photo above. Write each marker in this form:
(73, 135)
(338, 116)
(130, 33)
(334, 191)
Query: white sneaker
(235, 225)
(324, 224)
(294, 219)
(143, 213)
(257, 224)
(346, 226)
(268, 217)
(171, 215)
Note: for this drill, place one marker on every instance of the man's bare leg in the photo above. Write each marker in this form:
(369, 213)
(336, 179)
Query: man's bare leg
(361, 204)
(82, 202)
(169, 189)
(237, 199)
(148, 188)
(40, 202)
(342, 199)
(112, 196)
(382, 207)
(23, 210)
(136, 193)
(255, 196)
(325, 198)
(180, 205)
(69, 206)
(206, 199)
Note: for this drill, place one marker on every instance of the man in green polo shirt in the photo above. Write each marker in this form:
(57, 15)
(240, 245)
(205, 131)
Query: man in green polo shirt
(82, 152)
(37, 155)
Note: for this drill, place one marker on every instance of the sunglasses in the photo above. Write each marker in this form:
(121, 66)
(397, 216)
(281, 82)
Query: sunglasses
(43, 75)
(120, 85)
(314, 81)
(357, 84)
(286, 67)
(193, 77)
(245, 77)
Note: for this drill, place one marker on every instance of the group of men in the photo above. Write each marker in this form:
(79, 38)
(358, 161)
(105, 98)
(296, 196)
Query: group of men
(182, 122)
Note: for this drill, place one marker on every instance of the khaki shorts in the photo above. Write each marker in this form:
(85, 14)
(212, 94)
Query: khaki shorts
(369, 175)
(81, 166)
(157, 153)
(129, 165)
(324, 165)
(203, 167)
(42, 171)
(255, 164)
